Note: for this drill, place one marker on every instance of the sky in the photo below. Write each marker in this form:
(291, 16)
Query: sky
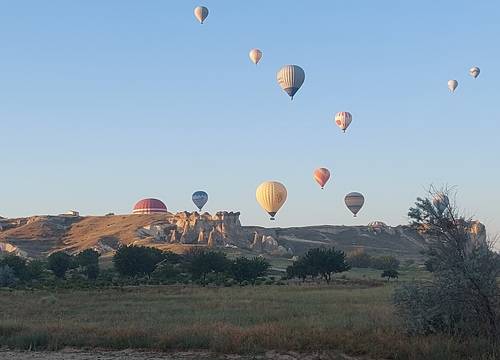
(106, 102)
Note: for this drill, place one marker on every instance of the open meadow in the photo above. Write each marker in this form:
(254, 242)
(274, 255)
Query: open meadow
(353, 318)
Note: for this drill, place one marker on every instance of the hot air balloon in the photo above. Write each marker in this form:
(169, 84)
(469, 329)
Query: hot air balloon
(440, 202)
(201, 13)
(255, 55)
(343, 119)
(321, 175)
(200, 198)
(452, 85)
(474, 71)
(271, 195)
(354, 202)
(290, 78)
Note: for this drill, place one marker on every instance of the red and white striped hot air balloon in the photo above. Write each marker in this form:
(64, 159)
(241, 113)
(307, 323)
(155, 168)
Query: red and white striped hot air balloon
(149, 206)
(343, 119)
(321, 175)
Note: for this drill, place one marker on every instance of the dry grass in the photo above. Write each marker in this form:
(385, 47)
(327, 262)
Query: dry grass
(230, 320)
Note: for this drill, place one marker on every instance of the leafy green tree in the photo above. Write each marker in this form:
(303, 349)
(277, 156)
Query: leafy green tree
(18, 265)
(137, 260)
(390, 274)
(7, 276)
(244, 269)
(320, 262)
(201, 262)
(88, 261)
(60, 263)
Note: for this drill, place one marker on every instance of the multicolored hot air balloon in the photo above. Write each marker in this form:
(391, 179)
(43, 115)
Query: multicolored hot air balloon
(271, 195)
(440, 202)
(290, 78)
(200, 198)
(255, 55)
(201, 13)
(474, 71)
(343, 119)
(321, 175)
(452, 85)
(354, 202)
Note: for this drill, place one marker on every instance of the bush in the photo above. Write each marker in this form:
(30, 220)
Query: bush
(166, 271)
(244, 269)
(360, 259)
(60, 263)
(319, 262)
(7, 277)
(201, 262)
(390, 274)
(137, 260)
(88, 262)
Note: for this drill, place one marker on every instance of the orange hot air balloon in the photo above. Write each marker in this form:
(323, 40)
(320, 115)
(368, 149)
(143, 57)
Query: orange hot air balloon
(321, 175)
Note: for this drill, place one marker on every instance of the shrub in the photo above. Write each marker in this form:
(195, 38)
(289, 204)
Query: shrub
(88, 262)
(201, 262)
(7, 277)
(137, 260)
(60, 263)
(390, 274)
(244, 269)
(319, 262)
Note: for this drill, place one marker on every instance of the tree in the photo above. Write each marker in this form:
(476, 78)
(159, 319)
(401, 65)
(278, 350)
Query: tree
(60, 263)
(244, 269)
(464, 297)
(137, 260)
(18, 265)
(320, 262)
(201, 262)
(390, 274)
(7, 277)
(88, 261)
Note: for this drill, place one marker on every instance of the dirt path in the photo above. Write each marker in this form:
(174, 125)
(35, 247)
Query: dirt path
(70, 354)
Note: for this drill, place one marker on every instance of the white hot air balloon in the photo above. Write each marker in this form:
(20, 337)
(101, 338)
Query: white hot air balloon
(201, 13)
(474, 71)
(290, 78)
(343, 119)
(271, 195)
(440, 202)
(452, 85)
(354, 202)
(255, 55)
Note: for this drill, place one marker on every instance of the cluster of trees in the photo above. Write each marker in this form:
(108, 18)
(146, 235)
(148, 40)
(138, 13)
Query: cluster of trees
(320, 262)
(463, 297)
(15, 269)
(200, 265)
(137, 263)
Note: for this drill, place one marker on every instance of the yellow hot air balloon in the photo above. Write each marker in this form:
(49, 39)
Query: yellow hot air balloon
(255, 55)
(271, 195)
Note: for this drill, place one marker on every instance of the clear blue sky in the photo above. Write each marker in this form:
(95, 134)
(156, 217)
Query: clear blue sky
(106, 102)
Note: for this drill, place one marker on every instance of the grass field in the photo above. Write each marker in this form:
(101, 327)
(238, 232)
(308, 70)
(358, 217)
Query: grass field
(348, 318)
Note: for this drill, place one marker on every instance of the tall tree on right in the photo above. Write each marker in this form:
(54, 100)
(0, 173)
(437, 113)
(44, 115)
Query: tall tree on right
(463, 297)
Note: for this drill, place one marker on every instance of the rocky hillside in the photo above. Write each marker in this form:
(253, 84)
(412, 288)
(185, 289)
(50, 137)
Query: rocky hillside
(40, 235)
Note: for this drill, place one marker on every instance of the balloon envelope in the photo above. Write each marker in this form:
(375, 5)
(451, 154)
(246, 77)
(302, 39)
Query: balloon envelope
(474, 71)
(271, 195)
(201, 13)
(440, 202)
(255, 55)
(200, 198)
(354, 202)
(452, 85)
(321, 175)
(343, 119)
(290, 79)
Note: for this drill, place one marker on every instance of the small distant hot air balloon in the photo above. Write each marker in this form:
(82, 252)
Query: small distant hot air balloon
(201, 13)
(321, 175)
(440, 202)
(255, 55)
(474, 71)
(354, 202)
(290, 78)
(271, 195)
(343, 119)
(200, 198)
(452, 85)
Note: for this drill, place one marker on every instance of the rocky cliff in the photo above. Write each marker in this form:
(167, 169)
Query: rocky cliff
(40, 235)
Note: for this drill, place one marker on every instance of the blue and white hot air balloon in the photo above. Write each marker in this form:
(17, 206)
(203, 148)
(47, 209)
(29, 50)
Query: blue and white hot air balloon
(200, 198)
